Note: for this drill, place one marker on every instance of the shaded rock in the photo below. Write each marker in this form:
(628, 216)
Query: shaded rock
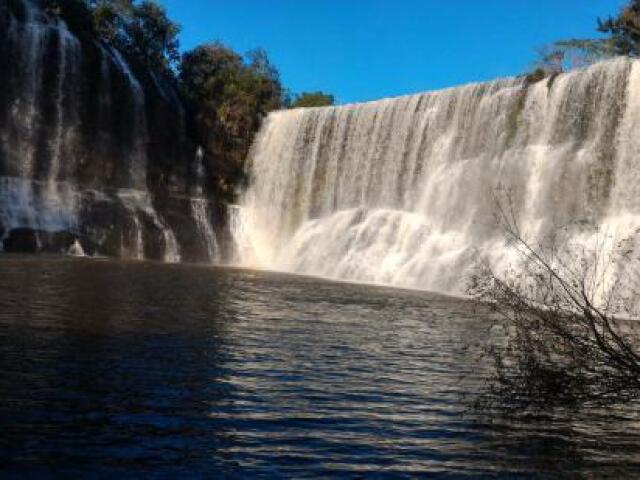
(21, 240)
(55, 242)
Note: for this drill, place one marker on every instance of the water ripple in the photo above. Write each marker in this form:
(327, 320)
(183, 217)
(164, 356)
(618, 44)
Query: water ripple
(116, 369)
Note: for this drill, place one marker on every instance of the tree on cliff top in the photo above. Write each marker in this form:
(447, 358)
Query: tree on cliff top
(229, 95)
(623, 38)
(312, 99)
(139, 29)
(624, 29)
(575, 53)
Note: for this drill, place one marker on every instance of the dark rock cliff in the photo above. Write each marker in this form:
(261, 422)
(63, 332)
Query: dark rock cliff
(95, 149)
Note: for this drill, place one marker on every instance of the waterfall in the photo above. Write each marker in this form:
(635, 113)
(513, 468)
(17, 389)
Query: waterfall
(25, 203)
(402, 191)
(200, 208)
(245, 241)
(140, 136)
(139, 204)
(94, 151)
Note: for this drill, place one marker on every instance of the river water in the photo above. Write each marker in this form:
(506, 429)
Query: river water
(133, 369)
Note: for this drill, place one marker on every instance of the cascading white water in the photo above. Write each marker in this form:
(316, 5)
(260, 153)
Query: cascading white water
(200, 210)
(30, 37)
(49, 182)
(402, 191)
(49, 203)
(66, 118)
(138, 161)
(139, 202)
(25, 203)
(76, 250)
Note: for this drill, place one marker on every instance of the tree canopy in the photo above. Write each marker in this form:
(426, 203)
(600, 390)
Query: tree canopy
(312, 99)
(140, 29)
(622, 38)
(229, 94)
(575, 53)
(624, 30)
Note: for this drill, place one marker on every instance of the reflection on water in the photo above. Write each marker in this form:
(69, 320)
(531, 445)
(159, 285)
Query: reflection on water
(115, 369)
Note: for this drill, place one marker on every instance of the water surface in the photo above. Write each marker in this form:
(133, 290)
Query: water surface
(132, 369)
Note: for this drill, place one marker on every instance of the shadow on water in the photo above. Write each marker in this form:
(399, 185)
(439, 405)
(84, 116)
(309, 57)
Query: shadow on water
(133, 369)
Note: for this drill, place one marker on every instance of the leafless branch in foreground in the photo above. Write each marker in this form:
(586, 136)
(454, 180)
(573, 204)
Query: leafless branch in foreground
(561, 342)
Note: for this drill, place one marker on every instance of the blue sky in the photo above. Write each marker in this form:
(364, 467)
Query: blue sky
(368, 49)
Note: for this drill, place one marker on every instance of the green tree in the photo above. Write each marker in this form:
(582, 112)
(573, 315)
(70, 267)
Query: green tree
(623, 38)
(312, 99)
(575, 53)
(265, 80)
(624, 29)
(141, 30)
(109, 20)
(229, 95)
(153, 36)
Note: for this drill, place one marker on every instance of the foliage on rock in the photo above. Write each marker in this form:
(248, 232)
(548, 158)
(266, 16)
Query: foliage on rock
(312, 99)
(622, 37)
(624, 30)
(229, 95)
(140, 29)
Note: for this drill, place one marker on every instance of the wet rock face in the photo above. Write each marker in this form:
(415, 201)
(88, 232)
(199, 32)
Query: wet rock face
(21, 240)
(93, 145)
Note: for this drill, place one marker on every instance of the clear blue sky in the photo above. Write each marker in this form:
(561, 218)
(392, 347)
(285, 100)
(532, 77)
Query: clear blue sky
(367, 49)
